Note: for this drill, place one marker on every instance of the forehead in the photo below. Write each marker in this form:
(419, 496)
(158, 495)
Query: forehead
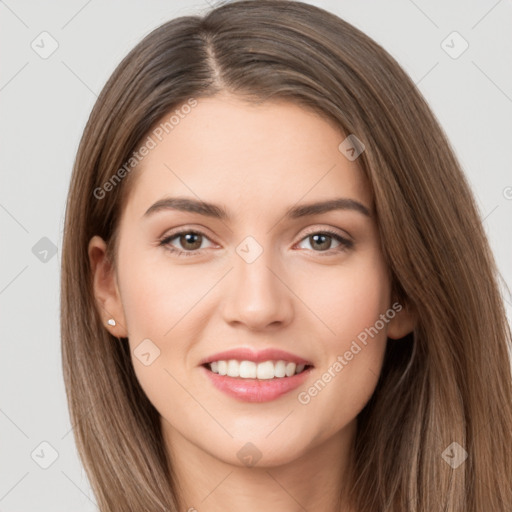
(246, 156)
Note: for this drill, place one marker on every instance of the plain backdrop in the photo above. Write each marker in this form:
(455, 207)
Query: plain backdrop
(45, 100)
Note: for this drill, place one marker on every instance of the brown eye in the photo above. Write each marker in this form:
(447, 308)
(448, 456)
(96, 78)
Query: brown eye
(189, 243)
(322, 241)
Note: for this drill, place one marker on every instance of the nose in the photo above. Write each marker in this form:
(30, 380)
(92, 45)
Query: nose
(258, 295)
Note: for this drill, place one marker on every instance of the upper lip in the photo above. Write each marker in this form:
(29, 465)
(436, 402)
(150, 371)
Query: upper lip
(257, 356)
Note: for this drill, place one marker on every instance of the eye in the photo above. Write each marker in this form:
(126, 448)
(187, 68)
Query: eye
(323, 241)
(190, 241)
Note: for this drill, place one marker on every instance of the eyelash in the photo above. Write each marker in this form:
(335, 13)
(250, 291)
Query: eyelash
(345, 244)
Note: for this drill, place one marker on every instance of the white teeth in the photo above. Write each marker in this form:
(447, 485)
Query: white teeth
(248, 370)
(222, 367)
(290, 369)
(265, 370)
(251, 370)
(280, 369)
(233, 368)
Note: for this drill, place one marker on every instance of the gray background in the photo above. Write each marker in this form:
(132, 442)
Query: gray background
(44, 105)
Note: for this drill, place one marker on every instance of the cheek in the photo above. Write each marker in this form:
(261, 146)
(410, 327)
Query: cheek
(354, 338)
(163, 311)
(159, 295)
(346, 300)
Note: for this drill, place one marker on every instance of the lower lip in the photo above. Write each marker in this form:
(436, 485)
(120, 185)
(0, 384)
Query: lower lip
(255, 390)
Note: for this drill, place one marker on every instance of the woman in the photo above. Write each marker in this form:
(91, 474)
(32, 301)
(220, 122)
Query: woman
(344, 347)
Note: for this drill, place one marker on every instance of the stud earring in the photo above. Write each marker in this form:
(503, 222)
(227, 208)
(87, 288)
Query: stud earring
(111, 322)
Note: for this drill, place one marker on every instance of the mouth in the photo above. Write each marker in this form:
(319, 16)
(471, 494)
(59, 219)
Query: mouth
(264, 370)
(250, 376)
(255, 376)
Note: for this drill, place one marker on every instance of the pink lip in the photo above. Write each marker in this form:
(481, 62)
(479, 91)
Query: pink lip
(246, 354)
(254, 390)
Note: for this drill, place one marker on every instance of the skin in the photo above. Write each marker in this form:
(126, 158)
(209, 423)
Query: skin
(300, 295)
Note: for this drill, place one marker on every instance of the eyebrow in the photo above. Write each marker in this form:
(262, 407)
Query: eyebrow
(185, 204)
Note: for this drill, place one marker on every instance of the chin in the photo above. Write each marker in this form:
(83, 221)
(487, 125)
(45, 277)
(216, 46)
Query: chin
(262, 452)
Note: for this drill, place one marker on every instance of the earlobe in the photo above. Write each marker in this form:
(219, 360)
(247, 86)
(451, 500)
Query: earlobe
(402, 323)
(105, 288)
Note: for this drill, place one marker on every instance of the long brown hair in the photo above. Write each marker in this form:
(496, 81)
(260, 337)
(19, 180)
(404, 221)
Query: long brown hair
(447, 382)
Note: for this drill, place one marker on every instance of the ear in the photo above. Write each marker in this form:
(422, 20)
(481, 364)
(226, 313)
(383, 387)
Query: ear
(403, 322)
(106, 290)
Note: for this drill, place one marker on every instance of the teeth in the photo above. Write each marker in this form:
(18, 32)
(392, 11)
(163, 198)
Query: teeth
(251, 370)
(290, 369)
(265, 370)
(233, 368)
(222, 367)
(280, 369)
(247, 370)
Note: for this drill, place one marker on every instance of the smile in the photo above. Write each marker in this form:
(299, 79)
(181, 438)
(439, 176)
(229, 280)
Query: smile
(256, 382)
(251, 370)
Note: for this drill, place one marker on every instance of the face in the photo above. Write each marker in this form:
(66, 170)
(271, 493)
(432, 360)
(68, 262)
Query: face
(256, 275)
